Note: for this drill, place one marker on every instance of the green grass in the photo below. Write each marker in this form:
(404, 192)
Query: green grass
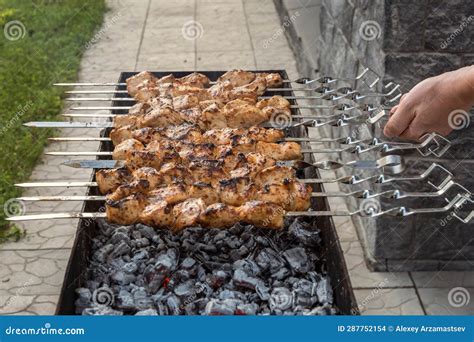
(56, 33)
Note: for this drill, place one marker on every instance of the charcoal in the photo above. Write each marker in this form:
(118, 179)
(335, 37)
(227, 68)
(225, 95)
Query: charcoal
(162, 309)
(140, 243)
(173, 304)
(248, 266)
(121, 249)
(83, 300)
(148, 312)
(123, 278)
(282, 273)
(140, 255)
(228, 294)
(242, 279)
(119, 237)
(304, 233)
(184, 289)
(262, 291)
(222, 307)
(141, 298)
(269, 259)
(101, 310)
(125, 300)
(324, 291)
(167, 262)
(237, 271)
(297, 259)
(130, 267)
(247, 309)
(102, 254)
(188, 263)
(281, 298)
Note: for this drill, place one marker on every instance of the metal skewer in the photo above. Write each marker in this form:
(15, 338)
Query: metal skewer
(392, 164)
(349, 180)
(301, 80)
(375, 145)
(453, 206)
(362, 194)
(326, 94)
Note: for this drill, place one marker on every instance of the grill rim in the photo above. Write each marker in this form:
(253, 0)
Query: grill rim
(344, 298)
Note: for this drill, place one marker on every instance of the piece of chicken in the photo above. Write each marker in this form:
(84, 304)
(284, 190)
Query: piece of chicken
(123, 150)
(219, 215)
(273, 79)
(135, 81)
(262, 214)
(240, 114)
(237, 77)
(187, 213)
(109, 179)
(196, 79)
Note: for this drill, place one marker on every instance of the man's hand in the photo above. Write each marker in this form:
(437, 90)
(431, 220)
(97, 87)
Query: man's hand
(426, 108)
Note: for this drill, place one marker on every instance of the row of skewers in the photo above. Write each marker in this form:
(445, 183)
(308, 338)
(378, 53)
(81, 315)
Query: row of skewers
(193, 154)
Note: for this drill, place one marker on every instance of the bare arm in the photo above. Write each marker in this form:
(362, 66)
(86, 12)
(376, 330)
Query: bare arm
(427, 106)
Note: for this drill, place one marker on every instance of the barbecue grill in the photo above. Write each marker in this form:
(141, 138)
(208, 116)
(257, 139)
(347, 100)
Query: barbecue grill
(320, 217)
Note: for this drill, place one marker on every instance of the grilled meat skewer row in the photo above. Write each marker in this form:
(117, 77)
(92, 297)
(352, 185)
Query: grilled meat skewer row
(192, 212)
(291, 195)
(195, 135)
(231, 85)
(132, 148)
(207, 114)
(261, 174)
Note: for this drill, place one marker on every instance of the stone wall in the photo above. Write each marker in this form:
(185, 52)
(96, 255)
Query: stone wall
(405, 42)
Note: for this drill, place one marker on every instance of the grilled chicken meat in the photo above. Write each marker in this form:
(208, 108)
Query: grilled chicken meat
(206, 114)
(289, 194)
(159, 149)
(192, 212)
(261, 173)
(193, 134)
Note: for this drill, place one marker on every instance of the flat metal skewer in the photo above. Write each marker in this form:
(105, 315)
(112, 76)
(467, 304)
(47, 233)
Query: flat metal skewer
(377, 179)
(392, 164)
(362, 194)
(456, 203)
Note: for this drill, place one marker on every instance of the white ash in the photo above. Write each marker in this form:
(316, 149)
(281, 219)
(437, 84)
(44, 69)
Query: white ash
(238, 271)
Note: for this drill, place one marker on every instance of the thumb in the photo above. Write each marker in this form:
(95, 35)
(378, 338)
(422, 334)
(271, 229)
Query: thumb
(399, 120)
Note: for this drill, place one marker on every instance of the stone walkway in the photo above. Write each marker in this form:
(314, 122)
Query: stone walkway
(181, 35)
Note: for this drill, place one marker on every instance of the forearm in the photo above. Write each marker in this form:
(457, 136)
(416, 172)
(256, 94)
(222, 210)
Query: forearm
(463, 80)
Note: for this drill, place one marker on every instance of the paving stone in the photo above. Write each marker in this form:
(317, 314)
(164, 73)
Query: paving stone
(362, 277)
(388, 302)
(42, 271)
(448, 301)
(166, 61)
(224, 60)
(443, 279)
